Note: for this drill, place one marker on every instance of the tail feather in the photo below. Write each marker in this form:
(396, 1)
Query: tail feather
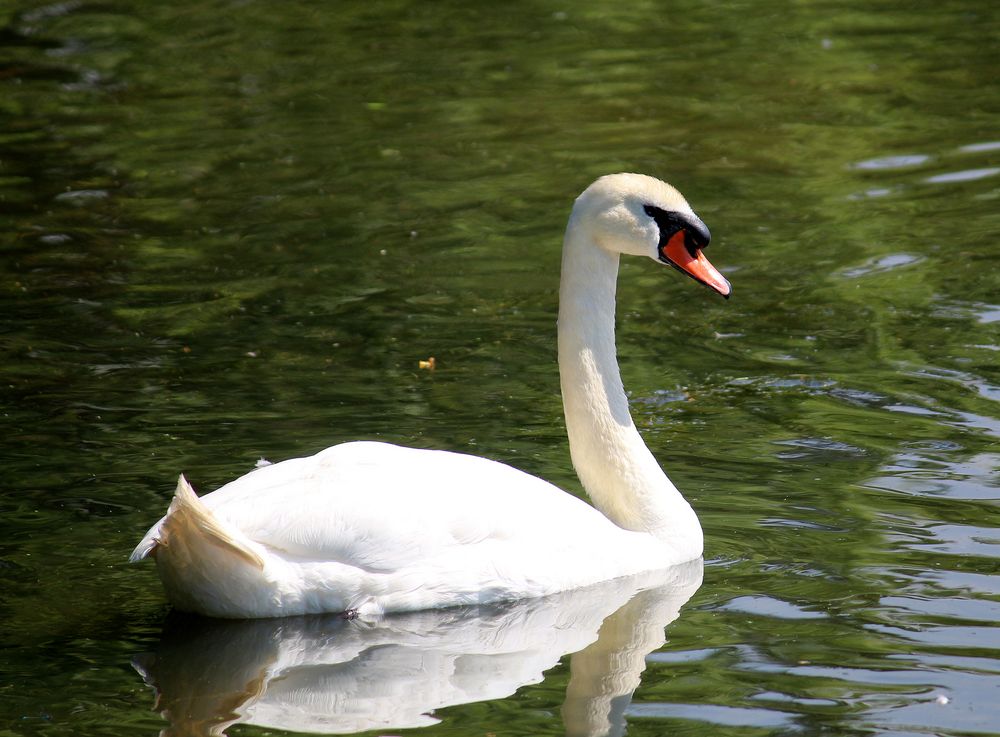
(187, 518)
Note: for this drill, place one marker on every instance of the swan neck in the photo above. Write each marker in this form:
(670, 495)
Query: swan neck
(620, 475)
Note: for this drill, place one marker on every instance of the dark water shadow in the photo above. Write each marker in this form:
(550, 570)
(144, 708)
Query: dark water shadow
(326, 674)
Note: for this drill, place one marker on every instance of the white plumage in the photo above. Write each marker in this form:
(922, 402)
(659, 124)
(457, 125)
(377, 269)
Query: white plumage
(373, 527)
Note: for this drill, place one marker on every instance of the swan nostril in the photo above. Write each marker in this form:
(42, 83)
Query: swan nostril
(693, 243)
(697, 235)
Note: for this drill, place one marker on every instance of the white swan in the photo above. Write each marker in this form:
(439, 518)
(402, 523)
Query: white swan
(368, 527)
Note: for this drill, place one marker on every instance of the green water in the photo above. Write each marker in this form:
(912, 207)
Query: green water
(231, 230)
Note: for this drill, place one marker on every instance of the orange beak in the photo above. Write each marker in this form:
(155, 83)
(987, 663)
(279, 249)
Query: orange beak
(694, 264)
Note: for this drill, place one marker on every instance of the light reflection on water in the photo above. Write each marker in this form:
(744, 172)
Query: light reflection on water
(331, 675)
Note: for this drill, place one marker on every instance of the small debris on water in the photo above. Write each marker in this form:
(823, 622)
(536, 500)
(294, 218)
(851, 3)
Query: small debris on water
(430, 364)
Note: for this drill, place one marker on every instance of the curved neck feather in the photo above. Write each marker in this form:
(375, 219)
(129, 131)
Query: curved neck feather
(616, 468)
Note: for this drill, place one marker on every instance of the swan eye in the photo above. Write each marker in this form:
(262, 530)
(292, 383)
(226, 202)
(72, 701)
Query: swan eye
(696, 233)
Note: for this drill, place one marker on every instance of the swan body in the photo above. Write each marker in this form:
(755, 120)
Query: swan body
(370, 527)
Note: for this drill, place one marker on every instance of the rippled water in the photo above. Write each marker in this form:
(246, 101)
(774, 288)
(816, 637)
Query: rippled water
(233, 229)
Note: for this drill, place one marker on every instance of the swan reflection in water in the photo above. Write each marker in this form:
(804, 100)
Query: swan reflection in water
(327, 674)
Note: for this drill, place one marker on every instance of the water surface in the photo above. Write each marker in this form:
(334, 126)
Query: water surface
(231, 230)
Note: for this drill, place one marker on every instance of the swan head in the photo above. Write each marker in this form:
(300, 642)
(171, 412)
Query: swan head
(640, 215)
